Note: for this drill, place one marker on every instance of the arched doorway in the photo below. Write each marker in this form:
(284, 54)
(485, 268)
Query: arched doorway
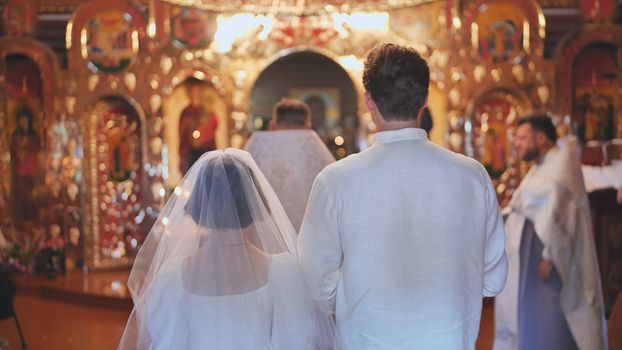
(323, 84)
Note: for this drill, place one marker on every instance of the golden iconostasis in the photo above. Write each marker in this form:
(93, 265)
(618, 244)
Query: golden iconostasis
(89, 154)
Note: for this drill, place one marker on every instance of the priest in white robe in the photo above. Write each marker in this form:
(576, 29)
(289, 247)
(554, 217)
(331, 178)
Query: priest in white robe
(290, 155)
(553, 297)
(404, 238)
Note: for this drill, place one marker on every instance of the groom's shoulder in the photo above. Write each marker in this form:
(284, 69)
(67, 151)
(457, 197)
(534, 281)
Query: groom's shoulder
(458, 161)
(347, 164)
(343, 168)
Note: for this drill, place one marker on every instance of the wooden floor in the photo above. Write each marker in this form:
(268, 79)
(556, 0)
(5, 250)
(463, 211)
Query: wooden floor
(74, 311)
(81, 320)
(52, 324)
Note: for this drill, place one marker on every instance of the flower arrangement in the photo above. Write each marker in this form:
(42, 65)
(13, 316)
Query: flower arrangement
(18, 251)
(28, 250)
(52, 252)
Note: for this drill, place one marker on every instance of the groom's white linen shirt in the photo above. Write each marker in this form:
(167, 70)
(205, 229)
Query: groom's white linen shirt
(406, 238)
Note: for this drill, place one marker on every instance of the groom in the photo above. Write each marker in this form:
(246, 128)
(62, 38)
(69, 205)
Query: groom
(405, 237)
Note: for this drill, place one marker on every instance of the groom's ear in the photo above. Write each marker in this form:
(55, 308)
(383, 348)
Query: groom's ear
(371, 106)
(369, 101)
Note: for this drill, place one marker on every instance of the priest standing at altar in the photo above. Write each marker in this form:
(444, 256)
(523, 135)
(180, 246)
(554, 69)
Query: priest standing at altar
(553, 297)
(404, 238)
(290, 155)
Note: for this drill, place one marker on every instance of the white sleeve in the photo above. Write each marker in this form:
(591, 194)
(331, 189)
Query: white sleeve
(495, 262)
(319, 245)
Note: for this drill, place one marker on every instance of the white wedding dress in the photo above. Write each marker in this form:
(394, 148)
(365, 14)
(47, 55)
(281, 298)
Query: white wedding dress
(219, 269)
(193, 328)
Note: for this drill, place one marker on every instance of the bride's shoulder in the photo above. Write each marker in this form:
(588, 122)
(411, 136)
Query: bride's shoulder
(168, 273)
(171, 267)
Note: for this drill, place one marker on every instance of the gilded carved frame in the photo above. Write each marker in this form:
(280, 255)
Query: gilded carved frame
(86, 86)
(59, 178)
(527, 80)
(570, 47)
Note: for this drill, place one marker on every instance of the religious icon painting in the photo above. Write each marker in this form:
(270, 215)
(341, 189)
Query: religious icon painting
(417, 24)
(115, 156)
(192, 28)
(595, 80)
(109, 41)
(195, 123)
(27, 167)
(26, 141)
(198, 123)
(499, 31)
(338, 132)
(121, 127)
(597, 10)
(120, 153)
(493, 123)
(495, 117)
(19, 17)
(324, 106)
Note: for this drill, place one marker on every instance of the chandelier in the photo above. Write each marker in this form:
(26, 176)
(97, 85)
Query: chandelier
(297, 7)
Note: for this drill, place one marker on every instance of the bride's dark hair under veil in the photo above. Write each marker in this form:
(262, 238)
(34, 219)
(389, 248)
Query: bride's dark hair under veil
(233, 174)
(223, 237)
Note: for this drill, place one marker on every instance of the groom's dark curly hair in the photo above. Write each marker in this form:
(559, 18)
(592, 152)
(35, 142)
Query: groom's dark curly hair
(397, 78)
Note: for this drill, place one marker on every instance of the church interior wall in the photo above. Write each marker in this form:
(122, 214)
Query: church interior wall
(438, 109)
(154, 55)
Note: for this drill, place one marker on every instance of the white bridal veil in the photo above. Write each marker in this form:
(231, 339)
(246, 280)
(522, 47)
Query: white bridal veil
(219, 268)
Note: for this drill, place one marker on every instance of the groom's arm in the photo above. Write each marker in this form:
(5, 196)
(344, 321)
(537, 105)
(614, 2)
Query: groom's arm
(319, 245)
(495, 262)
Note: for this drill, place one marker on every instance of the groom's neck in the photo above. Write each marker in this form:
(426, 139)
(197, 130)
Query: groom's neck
(397, 124)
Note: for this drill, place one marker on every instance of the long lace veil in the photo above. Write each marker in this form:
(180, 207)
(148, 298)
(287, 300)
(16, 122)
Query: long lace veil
(214, 246)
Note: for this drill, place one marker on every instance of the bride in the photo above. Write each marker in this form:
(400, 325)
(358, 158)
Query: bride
(219, 268)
